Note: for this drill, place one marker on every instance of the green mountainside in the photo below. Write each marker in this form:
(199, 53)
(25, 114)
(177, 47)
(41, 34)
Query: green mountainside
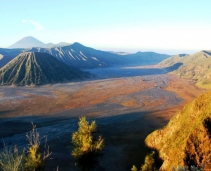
(34, 68)
(196, 66)
(186, 140)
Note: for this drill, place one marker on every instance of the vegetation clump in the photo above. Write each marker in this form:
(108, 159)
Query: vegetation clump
(149, 163)
(88, 145)
(35, 160)
(134, 168)
(11, 159)
(30, 159)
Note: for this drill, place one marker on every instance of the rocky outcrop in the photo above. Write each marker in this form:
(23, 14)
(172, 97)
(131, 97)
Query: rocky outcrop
(186, 140)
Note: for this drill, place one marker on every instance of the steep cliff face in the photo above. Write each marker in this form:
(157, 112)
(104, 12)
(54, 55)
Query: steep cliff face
(186, 140)
(197, 150)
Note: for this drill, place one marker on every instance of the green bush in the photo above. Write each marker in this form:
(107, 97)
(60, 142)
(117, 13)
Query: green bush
(29, 160)
(149, 163)
(134, 168)
(35, 160)
(11, 159)
(87, 144)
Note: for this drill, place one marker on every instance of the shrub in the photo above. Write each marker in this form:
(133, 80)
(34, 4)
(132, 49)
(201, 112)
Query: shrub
(11, 159)
(30, 159)
(35, 160)
(87, 144)
(134, 168)
(149, 163)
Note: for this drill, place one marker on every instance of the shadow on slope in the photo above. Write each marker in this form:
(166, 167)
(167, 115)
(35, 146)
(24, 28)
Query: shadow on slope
(124, 137)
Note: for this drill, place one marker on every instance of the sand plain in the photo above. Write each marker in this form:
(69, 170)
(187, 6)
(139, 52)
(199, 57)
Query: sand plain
(127, 104)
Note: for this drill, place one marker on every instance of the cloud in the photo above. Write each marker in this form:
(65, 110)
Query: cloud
(37, 25)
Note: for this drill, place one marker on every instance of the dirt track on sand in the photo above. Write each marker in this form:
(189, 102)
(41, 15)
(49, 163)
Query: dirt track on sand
(126, 110)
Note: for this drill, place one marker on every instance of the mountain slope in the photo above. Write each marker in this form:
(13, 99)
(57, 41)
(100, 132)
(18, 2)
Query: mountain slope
(173, 60)
(51, 45)
(30, 42)
(81, 56)
(8, 54)
(196, 66)
(186, 140)
(38, 68)
(146, 58)
(27, 42)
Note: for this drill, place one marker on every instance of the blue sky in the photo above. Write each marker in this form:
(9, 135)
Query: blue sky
(168, 26)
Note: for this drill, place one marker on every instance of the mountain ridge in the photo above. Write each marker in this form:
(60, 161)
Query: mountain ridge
(35, 68)
(83, 57)
(196, 66)
(78, 55)
(30, 42)
(27, 42)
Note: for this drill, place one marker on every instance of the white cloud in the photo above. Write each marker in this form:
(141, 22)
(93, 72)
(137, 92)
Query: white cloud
(38, 26)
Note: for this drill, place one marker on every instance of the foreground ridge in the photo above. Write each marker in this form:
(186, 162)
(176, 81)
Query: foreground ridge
(186, 139)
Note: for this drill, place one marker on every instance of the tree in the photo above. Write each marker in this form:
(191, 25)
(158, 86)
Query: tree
(87, 144)
(134, 168)
(149, 163)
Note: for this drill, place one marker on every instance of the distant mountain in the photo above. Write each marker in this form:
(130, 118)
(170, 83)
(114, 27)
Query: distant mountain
(81, 56)
(48, 45)
(51, 45)
(35, 68)
(27, 42)
(146, 58)
(196, 66)
(30, 42)
(186, 140)
(62, 44)
(120, 53)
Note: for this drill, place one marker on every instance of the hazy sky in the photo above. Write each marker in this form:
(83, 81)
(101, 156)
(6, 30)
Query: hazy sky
(126, 25)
